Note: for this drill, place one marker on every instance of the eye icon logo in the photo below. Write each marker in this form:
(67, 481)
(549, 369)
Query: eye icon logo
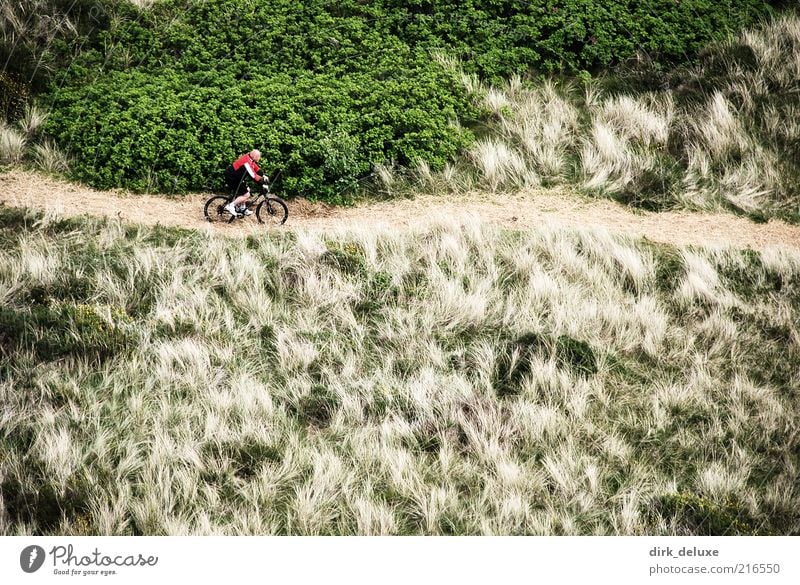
(31, 558)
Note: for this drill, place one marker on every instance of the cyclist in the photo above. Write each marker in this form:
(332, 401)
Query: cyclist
(235, 175)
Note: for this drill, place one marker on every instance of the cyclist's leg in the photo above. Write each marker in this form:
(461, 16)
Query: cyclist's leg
(232, 179)
(239, 189)
(242, 195)
(237, 185)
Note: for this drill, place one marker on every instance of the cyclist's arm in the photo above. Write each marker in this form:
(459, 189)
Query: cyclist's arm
(250, 171)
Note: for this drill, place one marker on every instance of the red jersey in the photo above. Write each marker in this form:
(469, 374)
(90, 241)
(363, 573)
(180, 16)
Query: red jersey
(248, 163)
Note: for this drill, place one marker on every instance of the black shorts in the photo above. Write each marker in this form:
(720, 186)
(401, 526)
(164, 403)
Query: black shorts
(236, 180)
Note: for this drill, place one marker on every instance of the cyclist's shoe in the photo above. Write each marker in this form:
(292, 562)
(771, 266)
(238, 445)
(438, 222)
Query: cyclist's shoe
(232, 210)
(245, 211)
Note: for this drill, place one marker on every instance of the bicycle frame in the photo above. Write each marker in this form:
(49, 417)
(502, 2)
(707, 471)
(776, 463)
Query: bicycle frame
(268, 207)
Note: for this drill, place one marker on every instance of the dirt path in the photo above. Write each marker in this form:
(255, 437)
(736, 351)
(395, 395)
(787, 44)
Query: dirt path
(557, 207)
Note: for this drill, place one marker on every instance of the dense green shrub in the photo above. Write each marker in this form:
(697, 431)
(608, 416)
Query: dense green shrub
(160, 132)
(322, 116)
(327, 89)
(501, 37)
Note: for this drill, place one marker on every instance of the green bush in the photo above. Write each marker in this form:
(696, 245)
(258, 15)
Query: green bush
(326, 90)
(160, 132)
(502, 37)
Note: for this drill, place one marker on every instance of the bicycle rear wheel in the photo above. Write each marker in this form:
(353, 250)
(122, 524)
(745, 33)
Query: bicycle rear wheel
(272, 210)
(215, 209)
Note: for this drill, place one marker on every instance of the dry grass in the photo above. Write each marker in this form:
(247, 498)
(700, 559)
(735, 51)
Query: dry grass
(48, 157)
(452, 379)
(32, 122)
(23, 142)
(12, 145)
(731, 144)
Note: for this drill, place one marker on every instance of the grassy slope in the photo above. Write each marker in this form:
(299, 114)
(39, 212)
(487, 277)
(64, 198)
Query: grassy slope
(721, 134)
(457, 379)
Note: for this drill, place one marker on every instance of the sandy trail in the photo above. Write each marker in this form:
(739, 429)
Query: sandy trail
(534, 207)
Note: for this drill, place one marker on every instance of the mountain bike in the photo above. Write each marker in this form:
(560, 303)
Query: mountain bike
(269, 208)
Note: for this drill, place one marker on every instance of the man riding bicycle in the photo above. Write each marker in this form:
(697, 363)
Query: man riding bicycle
(235, 175)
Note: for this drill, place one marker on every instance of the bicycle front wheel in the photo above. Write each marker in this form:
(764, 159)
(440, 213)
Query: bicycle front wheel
(272, 210)
(215, 209)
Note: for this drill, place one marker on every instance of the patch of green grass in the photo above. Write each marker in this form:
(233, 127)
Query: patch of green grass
(44, 504)
(514, 362)
(377, 293)
(348, 258)
(76, 288)
(14, 220)
(318, 406)
(61, 329)
(576, 356)
(670, 268)
(698, 515)
(176, 330)
(654, 187)
(170, 236)
(746, 275)
(246, 457)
